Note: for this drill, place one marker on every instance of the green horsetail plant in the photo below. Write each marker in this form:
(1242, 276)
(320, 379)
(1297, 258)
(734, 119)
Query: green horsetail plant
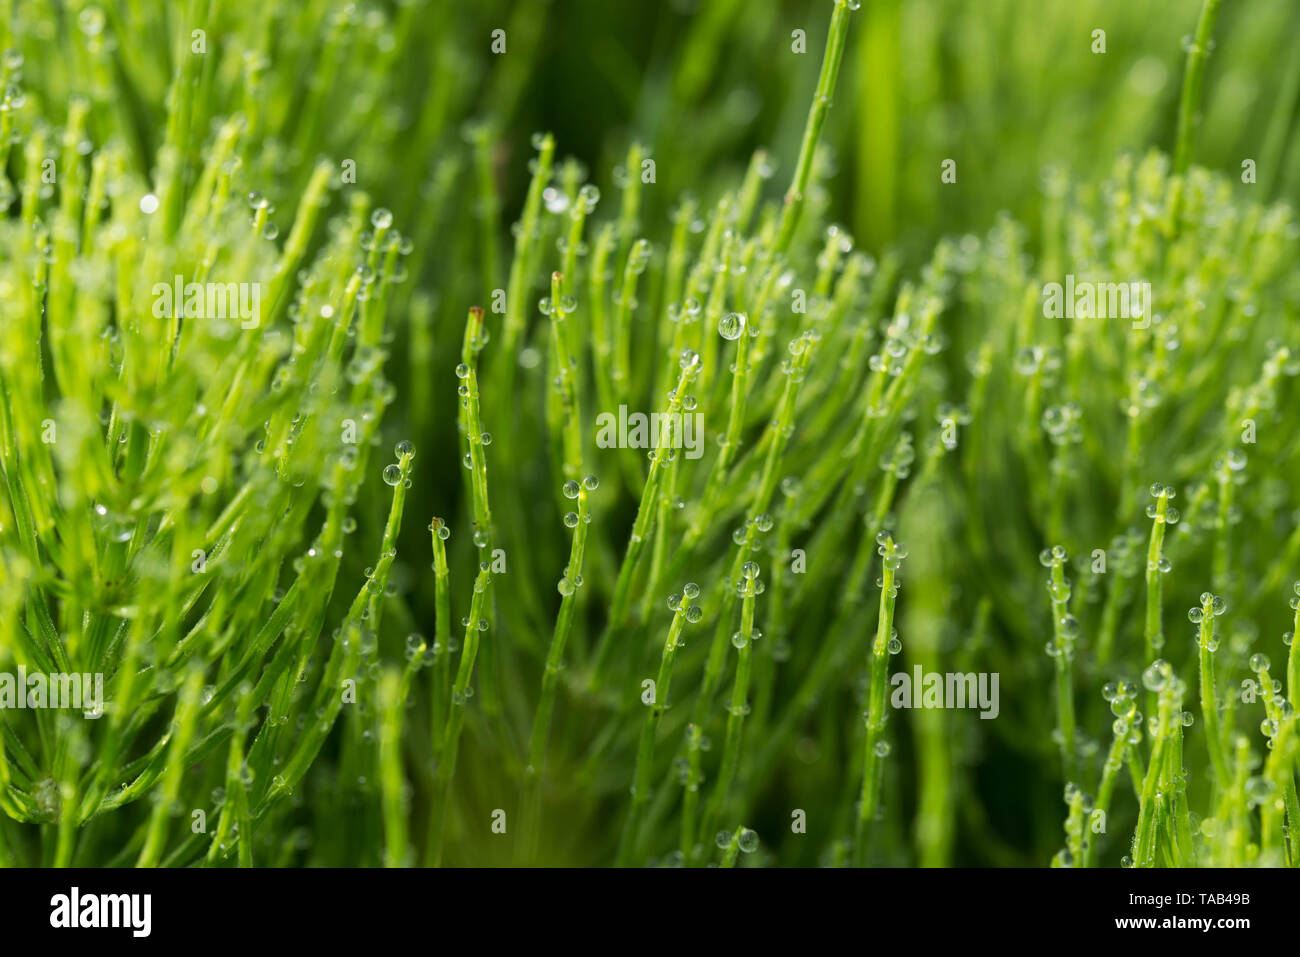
(474, 623)
(1123, 705)
(660, 460)
(202, 294)
(558, 307)
(885, 644)
(1065, 630)
(1203, 615)
(439, 696)
(162, 478)
(1275, 790)
(235, 816)
(568, 586)
(794, 197)
(389, 765)
(1155, 813)
(1161, 514)
(1189, 105)
(748, 587)
(683, 611)
(1293, 651)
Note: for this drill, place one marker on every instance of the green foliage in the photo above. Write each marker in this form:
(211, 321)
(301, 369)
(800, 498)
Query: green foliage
(193, 505)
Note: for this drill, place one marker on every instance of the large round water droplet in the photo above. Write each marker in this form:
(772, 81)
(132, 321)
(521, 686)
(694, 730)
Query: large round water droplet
(732, 325)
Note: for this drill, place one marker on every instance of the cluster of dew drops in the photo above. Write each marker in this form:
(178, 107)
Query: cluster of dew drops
(748, 585)
(1067, 626)
(684, 603)
(571, 582)
(395, 473)
(483, 439)
(746, 840)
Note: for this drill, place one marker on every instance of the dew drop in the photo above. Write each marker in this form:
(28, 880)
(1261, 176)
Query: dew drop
(731, 326)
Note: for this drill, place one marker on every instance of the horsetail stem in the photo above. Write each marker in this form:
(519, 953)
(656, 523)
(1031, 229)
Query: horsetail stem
(474, 623)
(1160, 513)
(731, 326)
(1293, 650)
(730, 844)
(525, 241)
(1123, 705)
(1189, 103)
(1279, 726)
(389, 762)
(560, 307)
(683, 611)
(235, 813)
(568, 587)
(471, 426)
(660, 459)
(1065, 630)
(489, 205)
(886, 643)
(187, 713)
(1074, 828)
(629, 215)
(794, 197)
(1161, 681)
(638, 257)
(749, 588)
(438, 699)
(1203, 616)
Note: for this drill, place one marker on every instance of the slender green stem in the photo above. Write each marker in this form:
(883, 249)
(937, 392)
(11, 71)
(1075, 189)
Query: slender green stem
(439, 701)
(874, 747)
(569, 586)
(1176, 782)
(732, 849)
(744, 642)
(567, 377)
(186, 721)
(1205, 644)
(660, 459)
(460, 693)
(472, 427)
(1293, 651)
(1152, 630)
(645, 748)
(1145, 834)
(1189, 104)
(821, 104)
(525, 242)
(1115, 759)
(1064, 630)
(389, 765)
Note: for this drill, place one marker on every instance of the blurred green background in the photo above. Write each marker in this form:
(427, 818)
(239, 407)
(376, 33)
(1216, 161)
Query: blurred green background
(1004, 87)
